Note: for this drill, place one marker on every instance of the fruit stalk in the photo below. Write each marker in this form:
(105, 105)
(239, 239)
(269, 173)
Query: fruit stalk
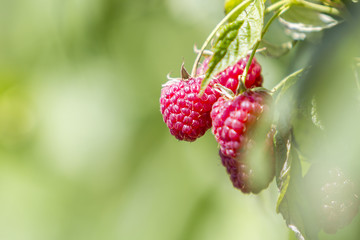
(278, 13)
(306, 4)
(318, 7)
(276, 5)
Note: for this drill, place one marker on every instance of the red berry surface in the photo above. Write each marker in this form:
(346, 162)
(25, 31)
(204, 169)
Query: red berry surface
(185, 112)
(334, 197)
(233, 121)
(248, 177)
(230, 76)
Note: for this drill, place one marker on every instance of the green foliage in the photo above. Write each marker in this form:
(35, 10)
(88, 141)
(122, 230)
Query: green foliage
(300, 21)
(271, 50)
(291, 201)
(226, 36)
(236, 39)
(284, 158)
(230, 5)
(286, 83)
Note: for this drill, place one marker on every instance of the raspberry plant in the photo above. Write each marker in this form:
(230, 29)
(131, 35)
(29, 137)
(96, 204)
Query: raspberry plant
(259, 130)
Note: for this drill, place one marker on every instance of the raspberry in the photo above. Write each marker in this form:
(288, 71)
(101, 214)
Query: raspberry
(234, 118)
(334, 197)
(247, 175)
(233, 122)
(230, 76)
(186, 114)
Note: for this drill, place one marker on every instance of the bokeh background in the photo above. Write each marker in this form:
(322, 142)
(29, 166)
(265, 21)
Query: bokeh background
(84, 153)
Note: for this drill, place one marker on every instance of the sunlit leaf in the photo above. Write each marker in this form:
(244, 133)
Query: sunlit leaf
(230, 5)
(280, 153)
(284, 176)
(273, 50)
(299, 21)
(227, 34)
(287, 83)
(234, 40)
(291, 203)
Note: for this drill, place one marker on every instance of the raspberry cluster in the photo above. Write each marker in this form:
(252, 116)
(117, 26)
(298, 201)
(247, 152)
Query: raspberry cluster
(186, 113)
(189, 115)
(239, 111)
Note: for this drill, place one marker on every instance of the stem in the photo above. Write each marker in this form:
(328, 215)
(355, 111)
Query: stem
(208, 39)
(244, 75)
(276, 5)
(277, 14)
(306, 4)
(205, 52)
(318, 7)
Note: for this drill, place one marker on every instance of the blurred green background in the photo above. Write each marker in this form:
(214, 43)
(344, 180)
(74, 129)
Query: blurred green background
(84, 153)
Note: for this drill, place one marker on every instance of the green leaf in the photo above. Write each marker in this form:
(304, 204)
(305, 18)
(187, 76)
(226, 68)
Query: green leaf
(235, 39)
(300, 20)
(284, 176)
(260, 89)
(227, 34)
(280, 139)
(272, 50)
(230, 5)
(291, 201)
(285, 84)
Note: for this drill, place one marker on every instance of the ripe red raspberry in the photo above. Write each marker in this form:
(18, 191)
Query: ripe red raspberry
(251, 175)
(334, 197)
(230, 76)
(233, 122)
(232, 119)
(186, 114)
